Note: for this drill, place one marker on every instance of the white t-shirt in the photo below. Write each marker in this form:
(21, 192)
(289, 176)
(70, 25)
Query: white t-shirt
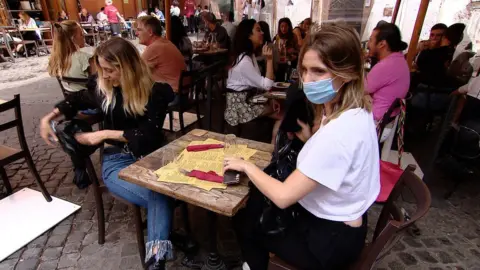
(246, 74)
(343, 157)
(175, 11)
(472, 88)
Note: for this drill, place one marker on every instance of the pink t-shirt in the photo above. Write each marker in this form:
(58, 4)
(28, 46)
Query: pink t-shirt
(111, 13)
(189, 8)
(389, 79)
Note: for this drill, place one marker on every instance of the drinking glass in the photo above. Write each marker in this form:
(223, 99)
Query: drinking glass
(167, 157)
(230, 145)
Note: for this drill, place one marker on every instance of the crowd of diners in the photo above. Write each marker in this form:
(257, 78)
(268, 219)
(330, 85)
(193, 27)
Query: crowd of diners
(337, 175)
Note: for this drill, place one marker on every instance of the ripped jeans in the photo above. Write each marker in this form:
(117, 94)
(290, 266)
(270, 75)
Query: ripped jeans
(159, 207)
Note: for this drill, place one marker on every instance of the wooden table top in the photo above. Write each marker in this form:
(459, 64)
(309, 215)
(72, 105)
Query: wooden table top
(225, 202)
(29, 29)
(209, 52)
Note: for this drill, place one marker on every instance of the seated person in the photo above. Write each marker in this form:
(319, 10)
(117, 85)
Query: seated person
(301, 30)
(433, 63)
(142, 13)
(27, 22)
(180, 38)
(435, 39)
(215, 29)
(158, 14)
(337, 176)
(244, 77)
(389, 79)
(67, 58)
(102, 18)
(165, 61)
(134, 108)
(287, 37)
(469, 107)
(62, 16)
(85, 17)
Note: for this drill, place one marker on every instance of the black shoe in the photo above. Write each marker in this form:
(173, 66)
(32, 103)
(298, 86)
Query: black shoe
(160, 265)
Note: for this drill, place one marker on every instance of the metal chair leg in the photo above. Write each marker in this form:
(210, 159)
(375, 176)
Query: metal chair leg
(98, 200)
(35, 173)
(137, 215)
(5, 180)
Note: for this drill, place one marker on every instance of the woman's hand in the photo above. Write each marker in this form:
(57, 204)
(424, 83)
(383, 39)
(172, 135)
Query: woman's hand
(236, 164)
(305, 133)
(267, 52)
(46, 131)
(91, 138)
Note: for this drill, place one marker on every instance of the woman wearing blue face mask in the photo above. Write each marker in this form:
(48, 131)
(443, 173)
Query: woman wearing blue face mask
(337, 175)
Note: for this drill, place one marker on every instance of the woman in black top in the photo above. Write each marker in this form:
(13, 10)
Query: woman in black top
(134, 107)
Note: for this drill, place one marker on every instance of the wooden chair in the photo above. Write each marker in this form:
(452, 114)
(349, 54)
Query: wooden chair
(90, 33)
(391, 220)
(14, 31)
(189, 85)
(6, 45)
(64, 81)
(390, 223)
(42, 43)
(9, 154)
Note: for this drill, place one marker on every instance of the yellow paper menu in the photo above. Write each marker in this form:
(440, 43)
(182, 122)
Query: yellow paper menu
(211, 160)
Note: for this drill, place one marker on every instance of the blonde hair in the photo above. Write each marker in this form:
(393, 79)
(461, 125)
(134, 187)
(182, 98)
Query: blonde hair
(63, 47)
(338, 46)
(135, 80)
(24, 16)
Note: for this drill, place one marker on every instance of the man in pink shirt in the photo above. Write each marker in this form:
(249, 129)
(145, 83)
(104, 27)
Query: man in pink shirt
(113, 17)
(389, 79)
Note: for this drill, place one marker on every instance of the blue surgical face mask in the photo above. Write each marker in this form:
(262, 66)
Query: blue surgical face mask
(320, 92)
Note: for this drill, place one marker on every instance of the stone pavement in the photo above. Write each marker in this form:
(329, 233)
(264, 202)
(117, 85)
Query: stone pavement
(450, 236)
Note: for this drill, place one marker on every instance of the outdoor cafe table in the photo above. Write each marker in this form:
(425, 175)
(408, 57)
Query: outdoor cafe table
(226, 202)
(209, 52)
(222, 201)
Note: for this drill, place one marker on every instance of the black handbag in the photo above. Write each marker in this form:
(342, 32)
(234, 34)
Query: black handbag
(274, 220)
(65, 132)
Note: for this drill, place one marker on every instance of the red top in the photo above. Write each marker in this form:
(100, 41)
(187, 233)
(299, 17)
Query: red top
(111, 13)
(189, 8)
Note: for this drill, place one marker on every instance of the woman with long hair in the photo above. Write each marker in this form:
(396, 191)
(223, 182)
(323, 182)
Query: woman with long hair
(244, 77)
(67, 58)
(337, 174)
(27, 22)
(301, 30)
(134, 107)
(180, 38)
(287, 37)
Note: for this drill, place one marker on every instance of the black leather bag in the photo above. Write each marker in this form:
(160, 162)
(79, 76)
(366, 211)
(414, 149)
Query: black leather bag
(65, 132)
(274, 220)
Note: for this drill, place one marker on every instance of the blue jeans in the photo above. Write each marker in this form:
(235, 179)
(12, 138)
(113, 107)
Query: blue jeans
(159, 207)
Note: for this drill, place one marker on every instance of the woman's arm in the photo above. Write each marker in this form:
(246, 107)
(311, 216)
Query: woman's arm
(283, 194)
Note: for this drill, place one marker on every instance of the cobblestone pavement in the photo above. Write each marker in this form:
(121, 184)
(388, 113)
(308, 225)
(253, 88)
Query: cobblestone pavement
(450, 233)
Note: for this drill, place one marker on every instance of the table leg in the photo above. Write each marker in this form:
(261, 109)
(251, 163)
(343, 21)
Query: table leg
(213, 262)
(209, 102)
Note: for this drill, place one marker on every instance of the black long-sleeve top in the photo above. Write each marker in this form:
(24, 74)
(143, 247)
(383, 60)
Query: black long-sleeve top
(143, 133)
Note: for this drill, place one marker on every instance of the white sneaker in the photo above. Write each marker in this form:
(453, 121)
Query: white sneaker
(245, 266)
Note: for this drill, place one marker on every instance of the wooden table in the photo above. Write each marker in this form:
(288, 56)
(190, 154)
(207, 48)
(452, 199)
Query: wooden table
(276, 95)
(225, 202)
(42, 29)
(210, 52)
